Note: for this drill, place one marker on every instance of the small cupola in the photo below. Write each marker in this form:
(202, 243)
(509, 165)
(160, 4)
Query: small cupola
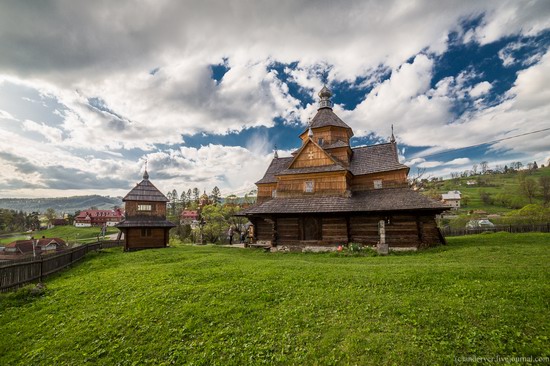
(325, 94)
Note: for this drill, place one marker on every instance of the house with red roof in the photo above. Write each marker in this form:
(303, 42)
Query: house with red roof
(41, 246)
(88, 218)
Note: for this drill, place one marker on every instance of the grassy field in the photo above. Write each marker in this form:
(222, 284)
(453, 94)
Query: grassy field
(487, 296)
(67, 233)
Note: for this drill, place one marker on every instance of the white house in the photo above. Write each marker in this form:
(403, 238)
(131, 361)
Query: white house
(452, 199)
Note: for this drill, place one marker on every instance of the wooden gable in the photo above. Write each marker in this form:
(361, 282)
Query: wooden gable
(311, 155)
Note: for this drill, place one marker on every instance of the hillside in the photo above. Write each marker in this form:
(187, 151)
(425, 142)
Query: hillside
(503, 190)
(60, 204)
(224, 306)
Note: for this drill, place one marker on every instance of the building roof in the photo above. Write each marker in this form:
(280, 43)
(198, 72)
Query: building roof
(378, 200)
(277, 165)
(451, 195)
(99, 213)
(374, 159)
(326, 117)
(364, 160)
(189, 214)
(25, 246)
(335, 145)
(145, 221)
(145, 191)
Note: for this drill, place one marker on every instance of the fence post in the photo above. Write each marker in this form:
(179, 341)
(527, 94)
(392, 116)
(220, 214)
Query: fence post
(41, 269)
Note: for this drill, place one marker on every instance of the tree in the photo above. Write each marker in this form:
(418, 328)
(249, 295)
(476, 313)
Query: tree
(485, 197)
(465, 200)
(535, 166)
(544, 183)
(517, 165)
(474, 169)
(505, 169)
(183, 200)
(196, 194)
(484, 165)
(528, 188)
(189, 195)
(216, 196)
(416, 179)
(174, 202)
(50, 215)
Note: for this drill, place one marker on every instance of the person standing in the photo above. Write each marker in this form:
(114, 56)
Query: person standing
(230, 235)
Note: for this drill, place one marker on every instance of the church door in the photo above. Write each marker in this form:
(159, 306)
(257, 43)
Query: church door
(312, 228)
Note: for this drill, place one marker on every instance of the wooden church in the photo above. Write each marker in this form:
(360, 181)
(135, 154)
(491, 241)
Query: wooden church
(329, 194)
(145, 225)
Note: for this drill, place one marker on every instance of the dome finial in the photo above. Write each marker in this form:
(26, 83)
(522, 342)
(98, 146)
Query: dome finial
(392, 138)
(325, 94)
(275, 154)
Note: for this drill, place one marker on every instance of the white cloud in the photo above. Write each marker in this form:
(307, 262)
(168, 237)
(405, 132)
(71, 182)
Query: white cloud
(85, 54)
(459, 161)
(52, 134)
(480, 89)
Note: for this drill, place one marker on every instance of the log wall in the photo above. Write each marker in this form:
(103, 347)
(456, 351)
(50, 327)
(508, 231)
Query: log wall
(310, 156)
(265, 191)
(334, 230)
(157, 209)
(288, 230)
(329, 134)
(324, 183)
(134, 240)
(391, 179)
(264, 230)
(402, 231)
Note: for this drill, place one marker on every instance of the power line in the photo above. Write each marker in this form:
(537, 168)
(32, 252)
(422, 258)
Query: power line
(483, 143)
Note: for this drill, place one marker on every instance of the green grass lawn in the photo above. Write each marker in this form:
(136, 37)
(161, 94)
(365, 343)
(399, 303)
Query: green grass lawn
(67, 233)
(484, 295)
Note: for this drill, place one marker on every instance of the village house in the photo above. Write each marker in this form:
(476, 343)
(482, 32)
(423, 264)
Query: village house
(35, 246)
(145, 225)
(189, 217)
(451, 199)
(328, 194)
(88, 218)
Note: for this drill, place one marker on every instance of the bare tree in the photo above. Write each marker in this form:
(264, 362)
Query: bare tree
(529, 188)
(484, 165)
(474, 169)
(416, 179)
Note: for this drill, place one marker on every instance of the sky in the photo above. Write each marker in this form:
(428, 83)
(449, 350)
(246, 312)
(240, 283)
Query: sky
(204, 91)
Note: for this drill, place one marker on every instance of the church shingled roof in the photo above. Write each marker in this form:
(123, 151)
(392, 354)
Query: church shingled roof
(374, 159)
(145, 191)
(277, 165)
(326, 117)
(390, 199)
(365, 160)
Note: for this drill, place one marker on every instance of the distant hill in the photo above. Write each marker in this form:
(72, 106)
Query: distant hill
(502, 191)
(60, 204)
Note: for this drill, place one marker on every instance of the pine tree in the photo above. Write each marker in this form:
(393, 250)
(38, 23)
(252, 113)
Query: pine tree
(196, 194)
(216, 196)
(535, 166)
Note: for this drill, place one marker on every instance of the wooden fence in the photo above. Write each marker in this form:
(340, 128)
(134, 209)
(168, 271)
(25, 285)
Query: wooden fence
(17, 273)
(524, 228)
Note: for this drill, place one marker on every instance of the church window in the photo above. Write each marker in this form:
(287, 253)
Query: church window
(309, 186)
(378, 184)
(144, 208)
